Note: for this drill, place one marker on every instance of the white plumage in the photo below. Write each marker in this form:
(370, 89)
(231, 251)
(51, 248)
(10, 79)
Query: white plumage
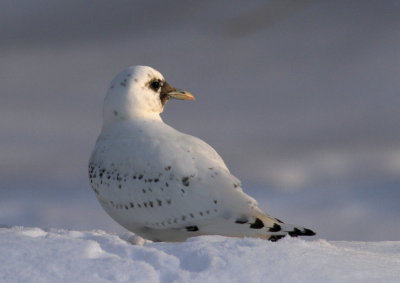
(160, 183)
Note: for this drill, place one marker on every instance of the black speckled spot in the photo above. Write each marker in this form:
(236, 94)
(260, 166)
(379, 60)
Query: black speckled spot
(242, 220)
(215, 201)
(159, 202)
(168, 201)
(258, 224)
(275, 228)
(183, 218)
(275, 238)
(131, 204)
(191, 215)
(185, 181)
(151, 203)
(156, 180)
(192, 228)
(167, 168)
(140, 177)
(115, 113)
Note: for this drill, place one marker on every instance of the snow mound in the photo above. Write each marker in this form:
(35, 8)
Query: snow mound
(53, 255)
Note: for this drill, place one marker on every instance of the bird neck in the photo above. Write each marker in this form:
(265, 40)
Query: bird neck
(138, 118)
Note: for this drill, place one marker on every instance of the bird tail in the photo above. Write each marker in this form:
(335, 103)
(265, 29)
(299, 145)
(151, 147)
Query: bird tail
(273, 229)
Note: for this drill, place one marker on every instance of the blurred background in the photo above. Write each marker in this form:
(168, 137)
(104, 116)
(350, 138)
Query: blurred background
(301, 99)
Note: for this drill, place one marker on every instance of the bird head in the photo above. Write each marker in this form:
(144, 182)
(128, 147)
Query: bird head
(139, 91)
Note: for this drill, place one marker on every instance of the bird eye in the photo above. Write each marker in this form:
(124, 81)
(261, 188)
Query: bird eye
(155, 85)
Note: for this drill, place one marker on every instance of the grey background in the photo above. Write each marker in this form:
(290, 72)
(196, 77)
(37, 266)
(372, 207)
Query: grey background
(300, 98)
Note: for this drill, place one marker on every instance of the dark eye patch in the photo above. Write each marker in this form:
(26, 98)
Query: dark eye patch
(155, 85)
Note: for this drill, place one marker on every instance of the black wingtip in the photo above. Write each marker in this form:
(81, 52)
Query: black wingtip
(308, 232)
(305, 232)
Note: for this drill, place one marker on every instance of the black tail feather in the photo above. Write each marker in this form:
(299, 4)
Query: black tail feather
(297, 232)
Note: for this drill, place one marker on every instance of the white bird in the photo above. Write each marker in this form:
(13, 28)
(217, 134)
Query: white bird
(162, 184)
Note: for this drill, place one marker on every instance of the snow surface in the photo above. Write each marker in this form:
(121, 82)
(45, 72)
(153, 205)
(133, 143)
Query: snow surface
(54, 255)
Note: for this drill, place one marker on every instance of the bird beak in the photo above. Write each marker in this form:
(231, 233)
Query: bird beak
(171, 92)
(181, 94)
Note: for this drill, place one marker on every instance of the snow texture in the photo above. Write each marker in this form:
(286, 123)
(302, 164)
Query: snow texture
(54, 255)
